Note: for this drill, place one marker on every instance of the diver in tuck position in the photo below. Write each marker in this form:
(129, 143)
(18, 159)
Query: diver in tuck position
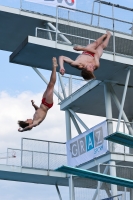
(46, 104)
(88, 61)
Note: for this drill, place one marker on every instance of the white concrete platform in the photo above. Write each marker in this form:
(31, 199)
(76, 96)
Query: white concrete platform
(89, 99)
(38, 52)
(15, 173)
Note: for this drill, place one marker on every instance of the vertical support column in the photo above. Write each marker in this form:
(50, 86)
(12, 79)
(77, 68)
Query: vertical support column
(113, 173)
(99, 183)
(108, 108)
(124, 194)
(68, 125)
(68, 137)
(71, 188)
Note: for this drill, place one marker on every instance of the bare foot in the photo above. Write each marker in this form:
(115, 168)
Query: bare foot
(54, 62)
(62, 71)
(77, 48)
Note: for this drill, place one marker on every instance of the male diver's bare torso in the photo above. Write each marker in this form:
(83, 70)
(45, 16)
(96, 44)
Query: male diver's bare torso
(40, 114)
(84, 59)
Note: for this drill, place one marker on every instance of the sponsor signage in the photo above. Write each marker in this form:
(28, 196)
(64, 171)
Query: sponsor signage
(87, 145)
(65, 3)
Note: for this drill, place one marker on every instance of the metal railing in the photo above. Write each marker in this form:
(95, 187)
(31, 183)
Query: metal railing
(79, 35)
(125, 129)
(70, 85)
(38, 154)
(109, 20)
(70, 35)
(94, 19)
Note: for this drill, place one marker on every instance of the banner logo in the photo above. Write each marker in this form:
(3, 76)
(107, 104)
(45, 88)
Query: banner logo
(98, 134)
(74, 149)
(90, 141)
(68, 2)
(65, 3)
(93, 140)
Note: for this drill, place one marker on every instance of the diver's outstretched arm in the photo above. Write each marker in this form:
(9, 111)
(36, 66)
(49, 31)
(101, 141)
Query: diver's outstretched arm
(34, 105)
(68, 60)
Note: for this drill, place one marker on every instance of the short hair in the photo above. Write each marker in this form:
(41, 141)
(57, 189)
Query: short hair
(22, 124)
(87, 75)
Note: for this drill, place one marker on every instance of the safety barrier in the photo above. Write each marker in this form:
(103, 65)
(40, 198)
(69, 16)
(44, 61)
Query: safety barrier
(38, 154)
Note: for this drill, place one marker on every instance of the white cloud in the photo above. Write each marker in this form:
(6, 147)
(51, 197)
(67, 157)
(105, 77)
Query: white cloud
(14, 108)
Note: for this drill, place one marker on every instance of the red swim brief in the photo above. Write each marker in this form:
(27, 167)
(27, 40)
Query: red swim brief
(46, 104)
(88, 53)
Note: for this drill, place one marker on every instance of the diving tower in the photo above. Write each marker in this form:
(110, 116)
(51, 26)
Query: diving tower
(35, 38)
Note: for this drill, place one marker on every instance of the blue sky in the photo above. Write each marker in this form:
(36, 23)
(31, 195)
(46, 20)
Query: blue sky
(18, 84)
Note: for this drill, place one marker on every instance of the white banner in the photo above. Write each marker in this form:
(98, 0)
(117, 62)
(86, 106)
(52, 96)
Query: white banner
(87, 145)
(65, 3)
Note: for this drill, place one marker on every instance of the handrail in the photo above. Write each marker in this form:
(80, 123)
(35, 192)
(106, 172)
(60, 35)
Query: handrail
(95, 14)
(44, 140)
(38, 152)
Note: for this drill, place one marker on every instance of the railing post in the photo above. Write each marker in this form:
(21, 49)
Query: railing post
(20, 4)
(48, 156)
(56, 38)
(36, 31)
(99, 13)
(7, 157)
(21, 152)
(92, 12)
(32, 159)
(125, 191)
(124, 132)
(132, 28)
(68, 15)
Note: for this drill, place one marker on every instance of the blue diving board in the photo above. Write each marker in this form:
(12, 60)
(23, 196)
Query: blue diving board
(121, 138)
(96, 176)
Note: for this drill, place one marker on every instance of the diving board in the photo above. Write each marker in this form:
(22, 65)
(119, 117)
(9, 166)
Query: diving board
(96, 176)
(121, 138)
